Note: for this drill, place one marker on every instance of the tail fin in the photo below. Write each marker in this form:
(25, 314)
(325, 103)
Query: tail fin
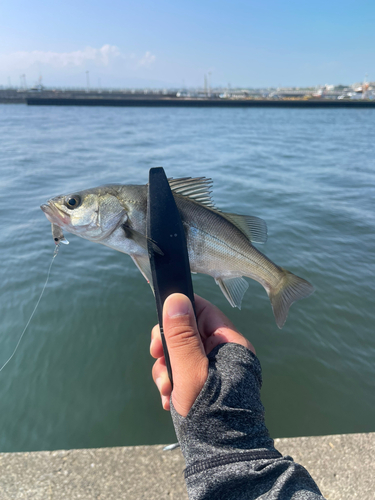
(290, 289)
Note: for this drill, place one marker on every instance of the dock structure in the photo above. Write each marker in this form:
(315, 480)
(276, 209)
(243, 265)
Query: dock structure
(119, 98)
(343, 466)
(202, 103)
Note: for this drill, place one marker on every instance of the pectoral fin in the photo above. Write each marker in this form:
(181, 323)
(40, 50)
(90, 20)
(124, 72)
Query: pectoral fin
(233, 289)
(140, 239)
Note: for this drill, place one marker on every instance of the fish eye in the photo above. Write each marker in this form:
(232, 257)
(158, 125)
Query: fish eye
(73, 201)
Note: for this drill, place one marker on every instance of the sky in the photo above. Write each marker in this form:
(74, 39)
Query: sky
(165, 43)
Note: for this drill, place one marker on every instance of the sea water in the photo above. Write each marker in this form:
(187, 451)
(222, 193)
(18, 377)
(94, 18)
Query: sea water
(82, 374)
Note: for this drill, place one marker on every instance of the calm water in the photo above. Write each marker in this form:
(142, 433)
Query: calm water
(82, 374)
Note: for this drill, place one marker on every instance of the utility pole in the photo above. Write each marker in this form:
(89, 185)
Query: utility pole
(23, 84)
(365, 87)
(209, 83)
(205, 85)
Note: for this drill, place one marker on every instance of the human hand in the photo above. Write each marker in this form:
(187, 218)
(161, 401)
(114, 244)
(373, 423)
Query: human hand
(189, 340)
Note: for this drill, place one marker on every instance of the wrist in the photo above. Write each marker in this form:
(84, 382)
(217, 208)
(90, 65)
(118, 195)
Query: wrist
(227, 415)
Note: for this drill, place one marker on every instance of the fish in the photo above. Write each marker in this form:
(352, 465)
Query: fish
(219, 244)
(58, 235)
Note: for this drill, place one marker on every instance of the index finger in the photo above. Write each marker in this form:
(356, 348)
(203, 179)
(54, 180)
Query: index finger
(215, 328)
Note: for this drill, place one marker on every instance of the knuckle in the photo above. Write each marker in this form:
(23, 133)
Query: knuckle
(156, 370)
(155, 332)
(178, 335)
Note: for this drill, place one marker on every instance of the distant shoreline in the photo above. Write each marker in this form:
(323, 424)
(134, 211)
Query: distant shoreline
(198, 103)
(171, 99)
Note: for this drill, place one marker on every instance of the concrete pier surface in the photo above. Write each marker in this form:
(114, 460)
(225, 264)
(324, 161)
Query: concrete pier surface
(342, 465)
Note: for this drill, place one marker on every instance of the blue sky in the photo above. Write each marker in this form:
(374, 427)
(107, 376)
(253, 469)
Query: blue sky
(173, 43)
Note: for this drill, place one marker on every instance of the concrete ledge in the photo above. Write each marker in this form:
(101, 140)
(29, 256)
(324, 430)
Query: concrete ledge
(342, 465)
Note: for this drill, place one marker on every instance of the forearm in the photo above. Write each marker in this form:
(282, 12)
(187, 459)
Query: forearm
(225, 442)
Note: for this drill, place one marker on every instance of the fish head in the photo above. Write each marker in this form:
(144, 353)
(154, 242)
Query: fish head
(92, 214)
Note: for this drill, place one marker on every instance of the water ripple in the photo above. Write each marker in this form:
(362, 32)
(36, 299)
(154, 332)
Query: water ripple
(81, 377)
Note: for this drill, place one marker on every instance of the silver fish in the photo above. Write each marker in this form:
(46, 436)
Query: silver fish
(58, 235)
(219, 244)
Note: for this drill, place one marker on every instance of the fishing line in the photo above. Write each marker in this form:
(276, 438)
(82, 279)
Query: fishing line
(35, 308)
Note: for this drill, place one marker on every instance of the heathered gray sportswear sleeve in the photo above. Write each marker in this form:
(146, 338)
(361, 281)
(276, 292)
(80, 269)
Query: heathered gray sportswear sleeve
(228, 451)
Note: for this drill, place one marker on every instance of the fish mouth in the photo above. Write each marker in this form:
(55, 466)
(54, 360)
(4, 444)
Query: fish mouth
(54, 214)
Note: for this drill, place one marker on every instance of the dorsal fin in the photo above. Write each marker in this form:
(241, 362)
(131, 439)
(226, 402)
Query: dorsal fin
(198, 189)
(253, 228)
(195, 188)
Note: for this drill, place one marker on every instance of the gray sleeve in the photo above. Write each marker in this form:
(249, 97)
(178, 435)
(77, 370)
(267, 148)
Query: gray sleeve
(228, 451)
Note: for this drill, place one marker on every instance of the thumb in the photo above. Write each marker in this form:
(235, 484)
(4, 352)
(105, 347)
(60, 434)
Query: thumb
(187, 355)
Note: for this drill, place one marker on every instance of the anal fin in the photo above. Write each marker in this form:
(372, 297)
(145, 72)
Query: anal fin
(233, 289)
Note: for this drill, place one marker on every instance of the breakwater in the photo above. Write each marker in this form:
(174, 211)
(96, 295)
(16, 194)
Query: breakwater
(117, 98)
(198, 103)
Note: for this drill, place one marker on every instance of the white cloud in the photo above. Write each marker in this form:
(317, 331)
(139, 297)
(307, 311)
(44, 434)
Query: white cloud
(78, 58)
(108, 66)
(147, 60)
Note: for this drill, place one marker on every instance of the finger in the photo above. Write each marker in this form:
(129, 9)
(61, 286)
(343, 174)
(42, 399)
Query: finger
(215, 328)
(210, 318)
(156, 346)
(162, 382)
(188, 358)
